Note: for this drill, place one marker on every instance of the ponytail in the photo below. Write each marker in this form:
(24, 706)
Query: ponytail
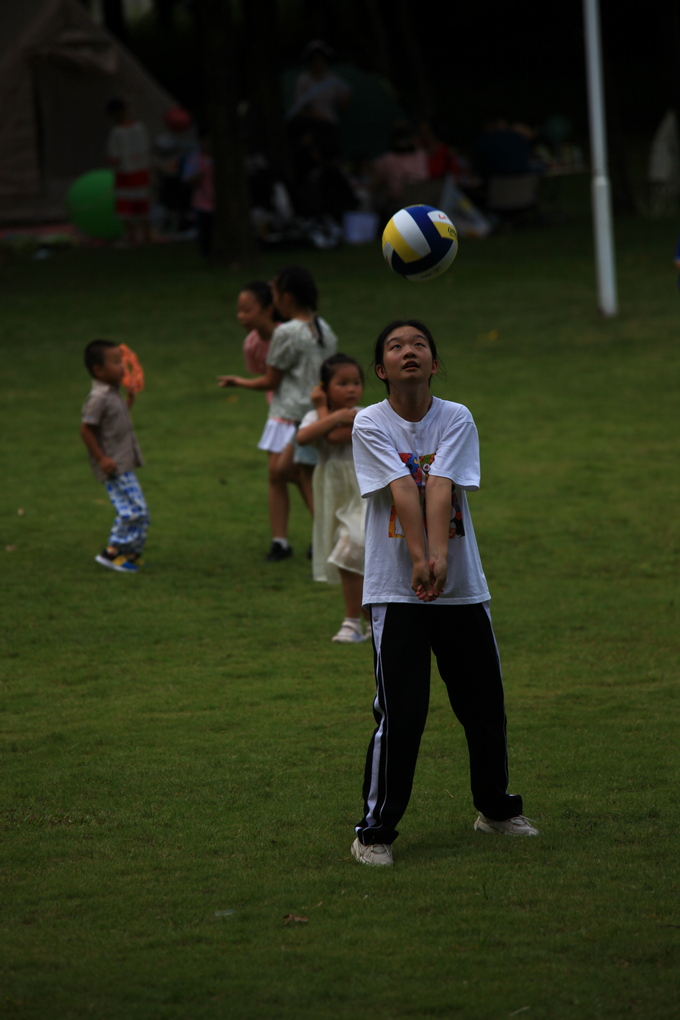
(319, 331)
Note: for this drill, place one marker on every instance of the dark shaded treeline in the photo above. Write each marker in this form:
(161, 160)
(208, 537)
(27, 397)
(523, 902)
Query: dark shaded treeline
(454, 62)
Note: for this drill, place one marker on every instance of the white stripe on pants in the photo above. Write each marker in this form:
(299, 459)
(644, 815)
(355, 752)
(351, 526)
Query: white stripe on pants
(404, 634)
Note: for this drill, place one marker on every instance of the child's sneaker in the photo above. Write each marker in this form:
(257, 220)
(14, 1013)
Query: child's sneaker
(517, 826)
(116, 561)
(278, 552)
(379, 854)
(350, 633)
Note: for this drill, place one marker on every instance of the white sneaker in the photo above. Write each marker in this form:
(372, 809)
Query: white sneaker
(517, 826)
(349, 633)
(378, 853)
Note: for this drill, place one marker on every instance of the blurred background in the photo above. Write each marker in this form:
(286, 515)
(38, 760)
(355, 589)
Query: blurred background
(307, 111)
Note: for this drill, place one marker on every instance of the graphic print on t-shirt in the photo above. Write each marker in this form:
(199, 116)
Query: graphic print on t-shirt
(420, 468)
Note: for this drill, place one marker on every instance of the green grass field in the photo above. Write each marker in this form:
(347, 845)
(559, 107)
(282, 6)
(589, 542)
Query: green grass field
(183, 749)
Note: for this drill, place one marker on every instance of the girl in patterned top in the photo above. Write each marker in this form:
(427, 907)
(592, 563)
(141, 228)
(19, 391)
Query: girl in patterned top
(298, 348)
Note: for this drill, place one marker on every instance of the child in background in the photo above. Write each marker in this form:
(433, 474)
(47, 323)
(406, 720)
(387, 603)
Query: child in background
(129, 153)
(298, 348)
(109, 436)
(198, 172)
(339, 510)
(255, 312)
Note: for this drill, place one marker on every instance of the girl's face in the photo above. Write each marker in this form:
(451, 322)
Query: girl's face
(282, 301)
(407, 356)
(250, 313)
(344, 388)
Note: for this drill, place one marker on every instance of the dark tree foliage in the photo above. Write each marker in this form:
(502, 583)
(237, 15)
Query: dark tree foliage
(422, 87)
(114, 18)
(263, 81)
(233, 239)
(165, 10)
(378, 48)
(623, 197)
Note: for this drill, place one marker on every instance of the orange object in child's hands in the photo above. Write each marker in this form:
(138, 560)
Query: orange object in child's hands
(133, 380)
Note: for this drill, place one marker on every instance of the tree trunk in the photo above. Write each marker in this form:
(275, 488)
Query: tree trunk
(673, 60)
(260, 20)
(233, 236)
(623, 196)
(165, 13)
(380, 49)
(423, 92)
(114, 19)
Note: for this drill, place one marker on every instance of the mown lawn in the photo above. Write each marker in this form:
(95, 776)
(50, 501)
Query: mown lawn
(183, 749)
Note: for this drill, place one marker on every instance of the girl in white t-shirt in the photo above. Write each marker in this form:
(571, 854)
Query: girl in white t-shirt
(339, 511)
(298, 348)
(415, 457)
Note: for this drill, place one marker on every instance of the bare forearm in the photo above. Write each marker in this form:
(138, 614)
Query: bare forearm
(438, 514)
(89, 438)
(325, 425)
(259, 383)
(407, 503)
(340, 435)
(269, 380)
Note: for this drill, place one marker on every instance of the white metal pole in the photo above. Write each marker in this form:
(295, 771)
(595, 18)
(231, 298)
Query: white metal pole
(600, 190)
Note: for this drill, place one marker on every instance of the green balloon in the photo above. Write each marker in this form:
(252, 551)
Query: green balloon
(90, 203)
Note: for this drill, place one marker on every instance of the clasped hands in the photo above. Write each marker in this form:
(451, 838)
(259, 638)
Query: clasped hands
(428, 579)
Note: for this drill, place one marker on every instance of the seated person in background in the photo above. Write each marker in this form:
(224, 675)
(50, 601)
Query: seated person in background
(406, 163)
(449, 173)
(442, 159)
(503, 150)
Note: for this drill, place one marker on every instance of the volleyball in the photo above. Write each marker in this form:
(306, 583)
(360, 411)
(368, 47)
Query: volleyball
(420, 242)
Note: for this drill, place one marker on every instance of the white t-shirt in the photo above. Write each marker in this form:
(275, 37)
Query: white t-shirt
(387, 447)
(129, 146)
(296, 351)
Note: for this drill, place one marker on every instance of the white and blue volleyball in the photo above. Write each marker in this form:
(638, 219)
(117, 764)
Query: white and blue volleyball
(420, 242)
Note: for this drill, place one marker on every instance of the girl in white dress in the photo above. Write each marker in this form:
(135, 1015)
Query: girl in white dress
(339, 510)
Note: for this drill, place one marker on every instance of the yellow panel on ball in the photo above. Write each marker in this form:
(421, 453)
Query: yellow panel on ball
(419, 242)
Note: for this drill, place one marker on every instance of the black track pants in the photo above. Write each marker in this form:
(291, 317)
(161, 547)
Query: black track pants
(463, 642)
